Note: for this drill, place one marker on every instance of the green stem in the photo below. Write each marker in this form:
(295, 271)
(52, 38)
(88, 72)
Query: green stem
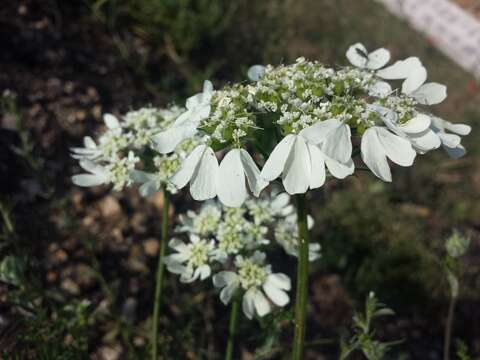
(232, 328)
(302, 279)
(448, 328)
(159, 277)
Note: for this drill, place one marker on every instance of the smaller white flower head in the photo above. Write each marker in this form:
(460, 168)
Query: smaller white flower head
(191, 260)
(204, 222)
(258, 283)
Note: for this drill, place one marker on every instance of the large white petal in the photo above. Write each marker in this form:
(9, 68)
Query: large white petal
(378, 58)
(338, 169)
(449, 140)
(248, 303)
(425, 141)
(277, 159)
(203, 185)
(224, 278)
(205, 271)
(89, 143)
(297, 172)
(111, 121)
(279, 280)
(357, 55)
(231, 189)
(373, 154)
(207, 87)
(400, 69)
(460, 129)
(318, 132)
(278, 296)
(187, 169)
(430, 94)
(317, 177)
(380, 89)
(87, 180)
(397, 149)
(415, 125)
(92, 167)
(227, 292)
(256, 183)
(338, 145)
(414, 80)
(256, 72)
(166, 141)
(261, 304)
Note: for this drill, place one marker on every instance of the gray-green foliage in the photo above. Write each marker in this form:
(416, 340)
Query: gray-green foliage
(364, 338)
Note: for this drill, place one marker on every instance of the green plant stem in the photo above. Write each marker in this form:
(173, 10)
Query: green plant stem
(448, 328)
(160, 272)
(232, 328)
(302, 279)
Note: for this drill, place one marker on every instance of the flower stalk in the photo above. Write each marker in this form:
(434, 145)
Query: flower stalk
(302, 278)
(232, 328)
(160, 273)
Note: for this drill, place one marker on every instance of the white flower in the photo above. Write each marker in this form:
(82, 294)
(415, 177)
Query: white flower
(191, 261)
(378, 143)
(90, 150)
(200, 168)
(301, 158)
(98, 174)
(450, 142)
(256, 280)
(265, 210)
(416, 130)
(203, 223)
(114, 140)
(358, 56)
(415, 75)
(231, 185)
(166, 166)
(185, 126)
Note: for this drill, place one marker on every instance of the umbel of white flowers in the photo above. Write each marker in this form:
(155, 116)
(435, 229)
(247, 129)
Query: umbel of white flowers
(122, 155)
(302, 118)
(229, 244)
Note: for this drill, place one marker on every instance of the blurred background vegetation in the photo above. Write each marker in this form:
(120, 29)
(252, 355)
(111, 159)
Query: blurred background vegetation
(77, 266)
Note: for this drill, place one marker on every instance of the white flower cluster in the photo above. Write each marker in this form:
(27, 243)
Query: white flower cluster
(231, 244)
(301, 118)
(125, 145)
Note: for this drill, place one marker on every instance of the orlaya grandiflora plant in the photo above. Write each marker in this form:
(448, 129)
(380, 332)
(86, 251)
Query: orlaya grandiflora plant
(294, 122)
(301, 118)
(229, 246)
(298, 121)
